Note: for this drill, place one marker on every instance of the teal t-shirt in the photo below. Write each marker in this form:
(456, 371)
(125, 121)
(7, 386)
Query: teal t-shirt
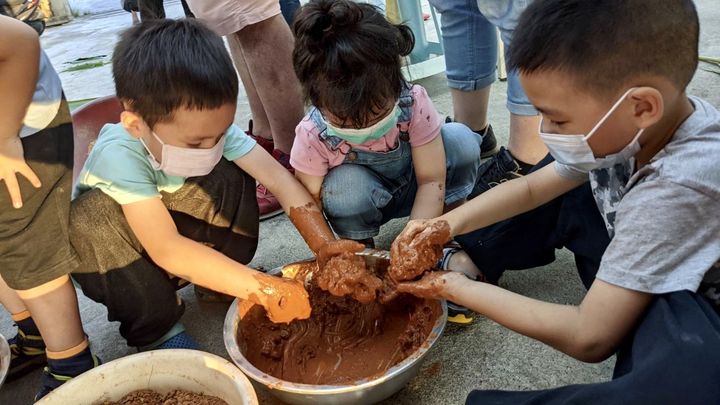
(119, 165)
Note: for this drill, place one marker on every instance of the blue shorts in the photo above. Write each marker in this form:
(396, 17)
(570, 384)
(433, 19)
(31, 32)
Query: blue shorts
(470, 39)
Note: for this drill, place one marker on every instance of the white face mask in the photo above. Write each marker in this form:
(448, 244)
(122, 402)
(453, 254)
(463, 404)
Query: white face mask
(574, 150)
(186, 162)
(371, 133)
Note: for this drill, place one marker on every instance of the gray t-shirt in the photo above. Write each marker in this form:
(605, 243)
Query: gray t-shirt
(667, 221)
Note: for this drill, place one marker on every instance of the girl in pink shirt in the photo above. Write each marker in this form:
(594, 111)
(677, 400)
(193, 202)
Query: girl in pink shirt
(373, 147)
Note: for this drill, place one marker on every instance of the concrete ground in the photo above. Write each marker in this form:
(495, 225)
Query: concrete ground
(482, 355)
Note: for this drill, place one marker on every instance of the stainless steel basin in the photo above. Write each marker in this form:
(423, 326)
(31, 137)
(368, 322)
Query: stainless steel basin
(365, 391)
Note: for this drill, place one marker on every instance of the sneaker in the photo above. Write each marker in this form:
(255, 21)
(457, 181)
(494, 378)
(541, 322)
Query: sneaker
(27, 353)
(500, 168)
(180, 341)
(456, 313)
(267, 203)
(459, 314)
(71, 367)
(266, 144)
(488, 147)
(175, 338)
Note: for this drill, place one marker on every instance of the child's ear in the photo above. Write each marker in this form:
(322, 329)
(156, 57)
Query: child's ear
(134, 124)
(649, 106)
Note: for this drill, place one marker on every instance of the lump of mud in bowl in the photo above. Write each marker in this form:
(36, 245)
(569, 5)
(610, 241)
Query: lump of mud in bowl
(176, 397)
(347, 274)
(411, 258)
(342, 342)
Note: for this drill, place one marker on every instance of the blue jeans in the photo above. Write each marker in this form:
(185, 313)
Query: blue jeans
(470, 39)
(369, 189)
(288, 8)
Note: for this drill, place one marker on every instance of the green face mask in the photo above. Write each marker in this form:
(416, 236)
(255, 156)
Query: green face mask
(371, 133)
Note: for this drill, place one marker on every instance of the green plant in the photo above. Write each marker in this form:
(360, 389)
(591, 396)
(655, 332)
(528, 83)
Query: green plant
(713, 61)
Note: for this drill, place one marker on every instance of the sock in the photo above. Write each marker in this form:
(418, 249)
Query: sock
(26, 324)
(68, 353)
(72, 362)
(524, 167)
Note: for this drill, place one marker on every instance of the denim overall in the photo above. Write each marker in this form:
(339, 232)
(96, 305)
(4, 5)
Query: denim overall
(371, 188)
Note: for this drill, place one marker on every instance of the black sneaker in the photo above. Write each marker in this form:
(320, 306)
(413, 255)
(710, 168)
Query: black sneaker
(27, 353)
(459, 314)
(499, 169)
(488, 147)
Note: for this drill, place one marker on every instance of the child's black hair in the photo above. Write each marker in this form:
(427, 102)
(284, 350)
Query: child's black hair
(348, 58)
(162, 65)
(602, 45)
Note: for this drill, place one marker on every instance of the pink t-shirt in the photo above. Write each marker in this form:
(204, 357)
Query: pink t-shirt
(310, 155)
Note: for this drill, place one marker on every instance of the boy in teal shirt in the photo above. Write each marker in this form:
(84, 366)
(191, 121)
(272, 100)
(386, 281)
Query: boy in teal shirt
(169, 192)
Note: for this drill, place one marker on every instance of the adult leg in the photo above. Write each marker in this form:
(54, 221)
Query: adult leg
(470, 42)
(151, 9)
(262, 50)
(260, 124)
(524, 142)
(267, 48)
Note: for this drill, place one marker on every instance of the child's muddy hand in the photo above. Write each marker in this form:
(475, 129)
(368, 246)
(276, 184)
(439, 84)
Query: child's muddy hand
(337, 247)
(418, 248)
(284, 299)
(413, 228)
(433, 285)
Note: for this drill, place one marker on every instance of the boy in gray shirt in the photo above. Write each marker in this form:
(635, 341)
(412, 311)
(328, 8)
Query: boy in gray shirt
(615, 112)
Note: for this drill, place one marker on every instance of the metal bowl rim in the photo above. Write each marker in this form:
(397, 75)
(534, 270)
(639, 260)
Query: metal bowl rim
(230, 331)
(5, 358)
